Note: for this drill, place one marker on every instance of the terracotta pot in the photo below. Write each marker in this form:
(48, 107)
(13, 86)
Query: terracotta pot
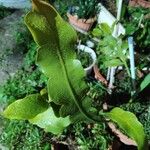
(82, 25)
(99, 76)
(142, 3)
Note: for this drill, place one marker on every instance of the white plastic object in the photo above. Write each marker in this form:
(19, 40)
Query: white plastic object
(116, 29)
(119, 9)
(108, 73)
(90, 44)
(92, 54)
(112, 77)
(131, 53)
(105, 16)
(115, 34)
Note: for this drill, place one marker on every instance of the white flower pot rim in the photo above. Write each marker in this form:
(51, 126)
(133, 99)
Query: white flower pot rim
(91, 52)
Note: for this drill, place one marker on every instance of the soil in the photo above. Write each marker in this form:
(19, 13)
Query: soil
(110, 5)
(10, 60)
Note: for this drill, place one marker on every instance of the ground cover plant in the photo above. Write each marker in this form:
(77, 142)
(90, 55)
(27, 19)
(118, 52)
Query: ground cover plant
(55, 59)
(16, 135)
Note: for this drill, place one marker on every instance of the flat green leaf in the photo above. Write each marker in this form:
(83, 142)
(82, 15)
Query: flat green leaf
(97, 32)
(105, 28)
(128, 122)
(26, 108)
(145, 82)
(50, 122)
(57, 58)
(1, 92)
(113, 63)
(130, 29)
(124, 45)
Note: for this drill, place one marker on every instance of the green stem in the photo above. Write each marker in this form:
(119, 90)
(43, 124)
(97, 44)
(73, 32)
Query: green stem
(127, 68)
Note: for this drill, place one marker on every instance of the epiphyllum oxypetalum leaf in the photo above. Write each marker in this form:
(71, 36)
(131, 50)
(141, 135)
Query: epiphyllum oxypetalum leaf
(128, 122)
(26, 108)
(145, 83)
(50, 122)
(57, 59)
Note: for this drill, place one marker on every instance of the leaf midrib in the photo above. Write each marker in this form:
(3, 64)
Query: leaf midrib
(72, 92)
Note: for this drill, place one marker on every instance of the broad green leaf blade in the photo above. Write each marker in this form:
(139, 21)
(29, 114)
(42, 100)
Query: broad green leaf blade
(105, 28)
(128, 122)
(113, 63)
(45, 20)
(50, 122)
(97, 32)
(26, 108)
(38, 26)
(145, 82)
(56, 57)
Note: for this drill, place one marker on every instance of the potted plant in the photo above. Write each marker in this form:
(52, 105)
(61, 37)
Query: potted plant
(83, 15)
(65, 99)
(117, 50)
(88, 61)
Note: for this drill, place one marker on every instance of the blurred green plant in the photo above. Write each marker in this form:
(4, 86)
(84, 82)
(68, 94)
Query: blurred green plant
(116, 49)
(62, 7)
(92, 136)
(85, 8)
(137, 24)
(142, 111)
(22, 135)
